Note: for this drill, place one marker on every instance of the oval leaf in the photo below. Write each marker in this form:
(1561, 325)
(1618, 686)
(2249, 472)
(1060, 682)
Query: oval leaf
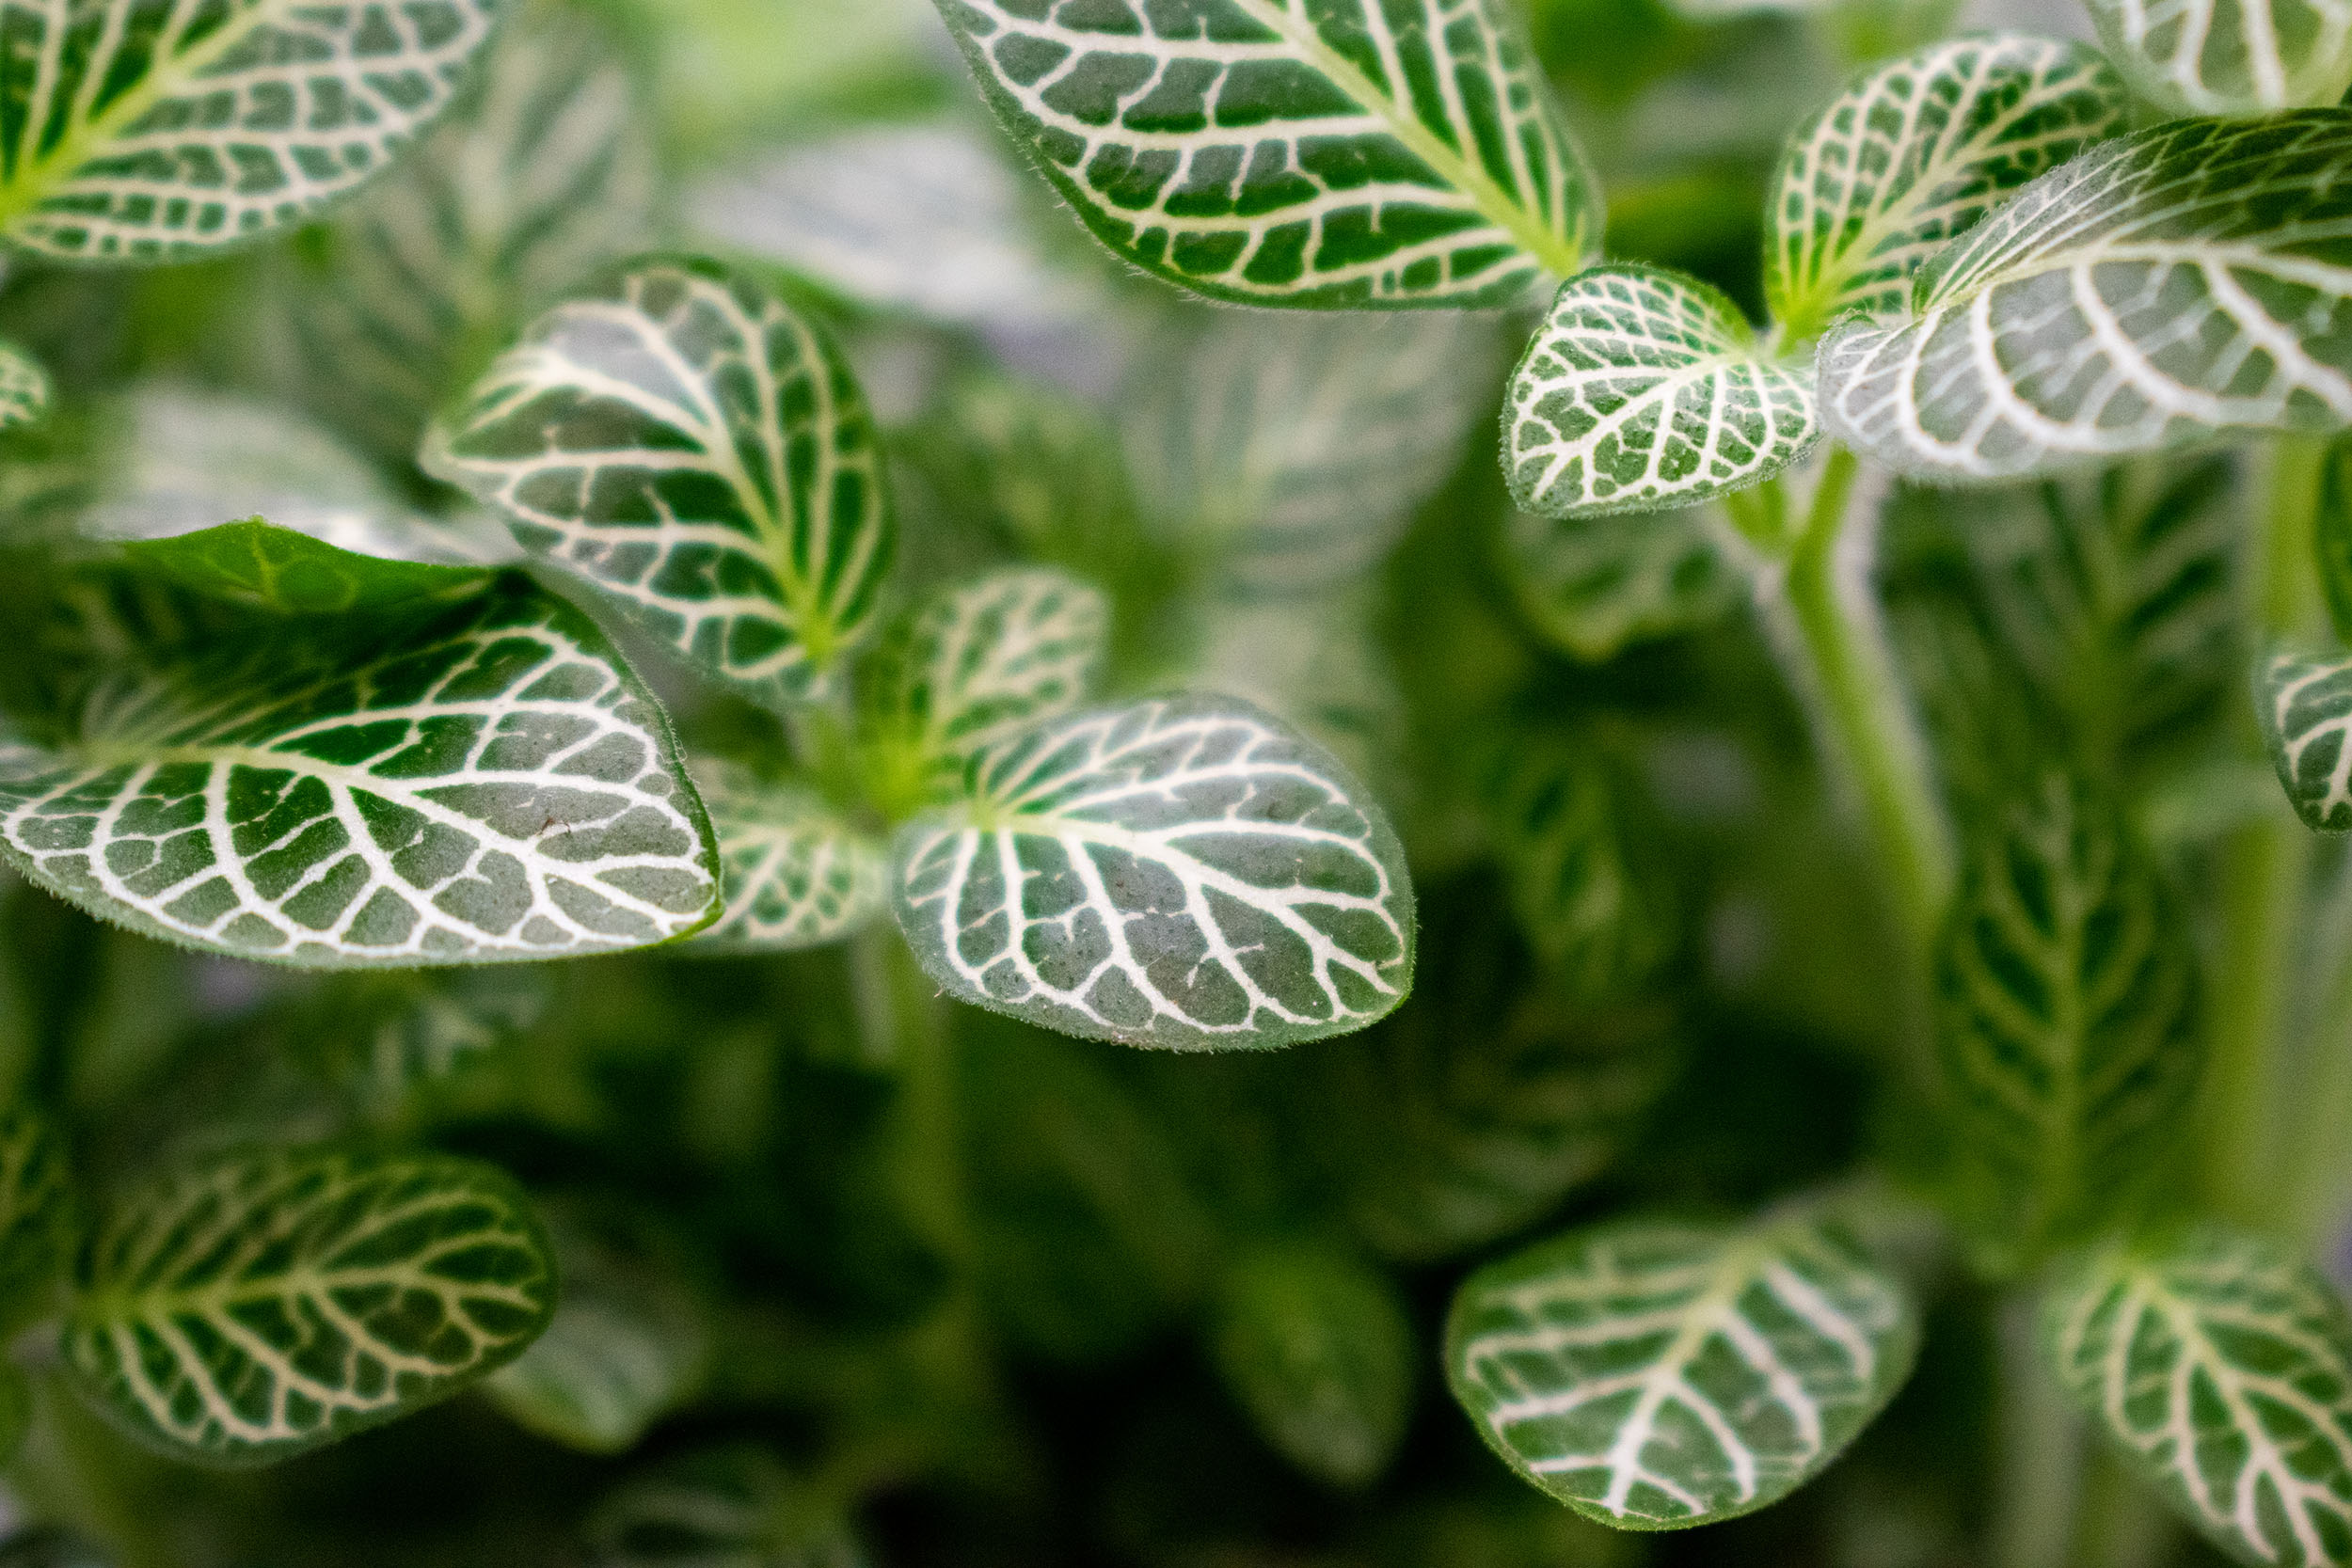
(1275, 152)
(2230, 57)
(2162, 288)
(1593, 586)
(248, 1309)
(147, 130)
(2223, 1366)
(701, 456)
(1318, 1349)
(1185, 872)
(1645, 389)
(2306, 717)
(1654, 1376)
(797, 873)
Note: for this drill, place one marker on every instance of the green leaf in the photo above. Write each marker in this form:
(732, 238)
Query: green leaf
(425, 1027)
(797, 873)
(2163, 288)
(723, 1508)
(2066, 1015)
(145, 132)
(487, 783)
(1654, 1375)
(1315, 660)
(1183, 872)
(2334, 537)
(1318, 1349)
(265, 567)
(1646, 389)
(1553, 814)
(1593, 586)
(700, 455)
(1270, 152)
(35, 1227)
(247, 1309)
(2227, 56)
(24, 388)
(2222, 1366)
(1913, 153)
(16, 1413)
(2307, 716)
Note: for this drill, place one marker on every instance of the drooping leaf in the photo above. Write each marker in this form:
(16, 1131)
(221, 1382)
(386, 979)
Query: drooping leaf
(24, 388)
(1913, 153)
(700, 455)
(1654, 1375)
(2223, 1367)
(2164, 287)
(2066, 1015)
(2307, 718)
(723, 1508)
(2228, 58)
(797, 873)
(35, 1225)
(1593, 586)
(262, 566)
(247, 1309)
(147, 130)
(1318, 1349)
(1554, 812)
(489, 783)
(1181, 872)
(1645, 389)
(1274, 153)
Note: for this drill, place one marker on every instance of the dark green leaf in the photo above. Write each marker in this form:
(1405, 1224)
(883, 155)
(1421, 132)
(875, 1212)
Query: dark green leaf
(1319, 1350)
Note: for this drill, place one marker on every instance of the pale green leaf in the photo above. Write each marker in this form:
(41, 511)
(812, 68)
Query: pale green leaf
(145, 129)
(265, 567)
(723, 1507)
(24, 388)
(1913, 153)
(34, 1218)
(1646, 389)
(1274, 153)
(2160, 289)
(1655, 1375)
(1595, 586)
(1318, 1349)
(701, 456)
(2222, 1366)
(1183, 872)
(2230, 57)
(1554, 812)
(2307, 718)
(247, 1309)
(797, 873)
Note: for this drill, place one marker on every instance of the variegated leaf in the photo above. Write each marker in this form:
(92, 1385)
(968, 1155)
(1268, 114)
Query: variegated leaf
(2307, 718)
(1645, 389)
(2162, 288)
(1654, 1375)
(1185, 872)
(247, 1309)
(1361, 152)
(1552, 812)
(2223, 1367)
(798, 873)
(721, 1508)
(2230, 57)
(1593, 586)
(24, 388)
(1914, 152)
(700, 455)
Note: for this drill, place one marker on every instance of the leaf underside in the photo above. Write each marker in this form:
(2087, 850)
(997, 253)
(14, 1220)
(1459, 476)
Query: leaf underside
(796, 875)
(2230, 57)
(2307, 718)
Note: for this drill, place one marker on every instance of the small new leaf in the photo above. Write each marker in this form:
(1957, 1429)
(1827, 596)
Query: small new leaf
(261, 1305)
(797, 873)
(2230, 57)
(275, 569)
(1319, 1350)
(2306, 717)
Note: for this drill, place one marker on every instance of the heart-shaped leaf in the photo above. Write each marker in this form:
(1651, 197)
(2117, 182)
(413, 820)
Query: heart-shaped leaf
(1654, 1375)
(486, 782)
(1646, 389)
(2306, 717)
(1914, 152)
(245, 1310)
(1277, 152)
(797, 873)
(1183, 872)
(2230, 57)
(2222, 1366)
(24, 388)
(2162, 288)
(1593, 586)
(700, 455)
(1317, 1348)
(35, 1224)
(265, 567)
(147, 130)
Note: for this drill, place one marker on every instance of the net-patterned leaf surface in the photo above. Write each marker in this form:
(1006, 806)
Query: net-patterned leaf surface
(34, 1214)
(1595, 586)
(699, 455)
(1553, 815)
(24, 388)
(2230, 57)
(142, 129)
(2307, 718)
(1317, 1348)
(1916, 151)
(2162, 288)
(722, 1507)
(260, 1305)
(1354, 153)
(2221, 1365)
(1646, 389)
(797, 873)
(1183, 872)
(1654, 1375)
(487, 783)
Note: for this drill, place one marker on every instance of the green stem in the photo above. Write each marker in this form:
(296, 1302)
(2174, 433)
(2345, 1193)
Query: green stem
(929, 1130)
(2040, 1458)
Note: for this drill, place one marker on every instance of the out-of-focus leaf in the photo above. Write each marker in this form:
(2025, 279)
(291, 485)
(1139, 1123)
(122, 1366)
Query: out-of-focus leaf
(1593, 586)
(36, 1222)
(1318, 1349)
(725, 1508)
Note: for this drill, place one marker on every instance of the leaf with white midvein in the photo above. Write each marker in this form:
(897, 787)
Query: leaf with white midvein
(698, 454)
(2160, 289)
(2307, 718)
(245, 1310)
(24, 388)
(2222, 1366)
(145, 129)
(1915, 151)
(1593, 586)
(1183, 872)
(797, 873)
(2230, 57)
(1352, 154)
(475, 782)
(1646, 389)
(34, 1226)
(1655, 1375)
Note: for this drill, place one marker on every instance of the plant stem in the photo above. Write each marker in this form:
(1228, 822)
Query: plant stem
(929, 1130)
(2040, 1457)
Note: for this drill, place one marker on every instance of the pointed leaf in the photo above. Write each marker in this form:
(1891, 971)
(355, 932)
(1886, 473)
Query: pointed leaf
(35, 1225)
(2160, 289)
(152, 131)
(24, 388)
(2306, 717)
(1274, 153)
(487, 783)
(699, 455)
(1593, 586)
(2228, 56)
(1914, 152)
(1185, 872)
(1318, 1349)
(278, 570)
(245, 1310)
(1654, 1375)
(1645, 389)
(2223, 1368)
(797, 873)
